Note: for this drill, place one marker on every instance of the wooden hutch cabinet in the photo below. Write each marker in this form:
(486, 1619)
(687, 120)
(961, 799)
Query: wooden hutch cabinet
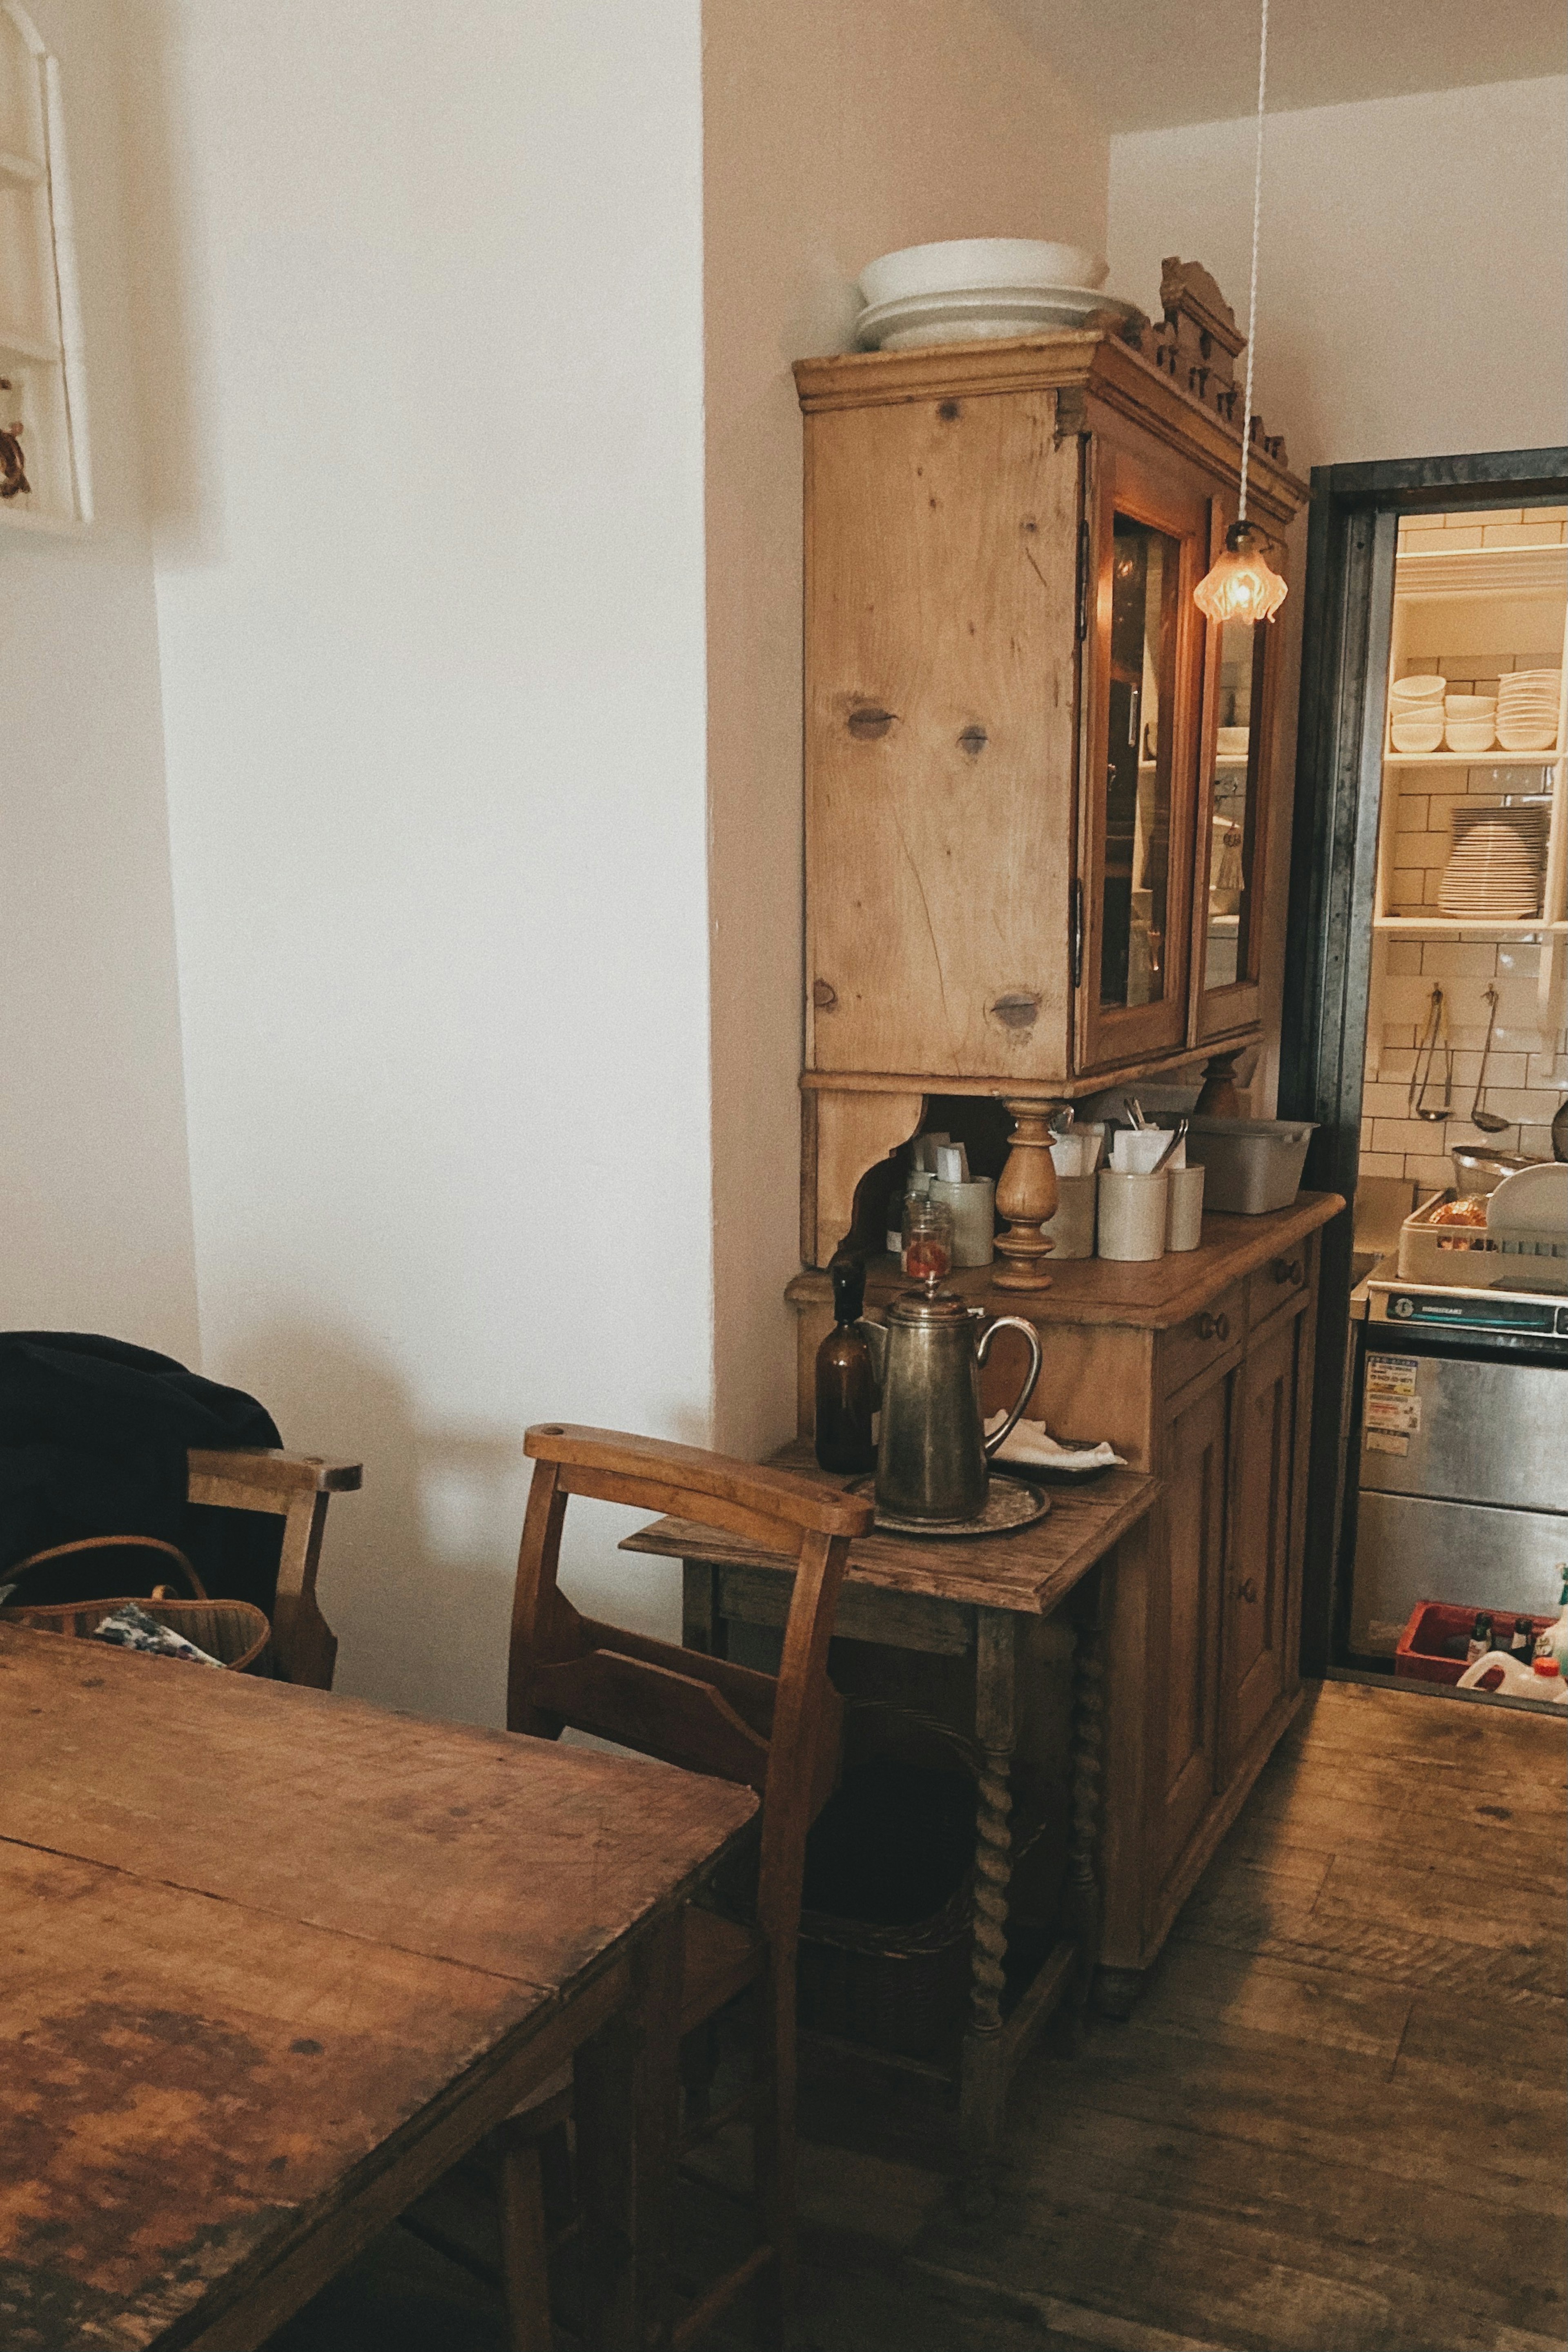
(1038, 797)
(1037, 782)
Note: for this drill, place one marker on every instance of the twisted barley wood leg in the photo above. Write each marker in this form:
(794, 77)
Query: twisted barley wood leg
(1084, 1902)
(983, 2077)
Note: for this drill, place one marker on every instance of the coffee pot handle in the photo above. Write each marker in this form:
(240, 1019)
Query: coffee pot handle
(1011, 1323)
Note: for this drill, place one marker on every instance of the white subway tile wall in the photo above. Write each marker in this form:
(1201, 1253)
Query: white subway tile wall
(1527, 1074)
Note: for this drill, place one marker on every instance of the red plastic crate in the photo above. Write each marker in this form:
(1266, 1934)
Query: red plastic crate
(1433, 1622)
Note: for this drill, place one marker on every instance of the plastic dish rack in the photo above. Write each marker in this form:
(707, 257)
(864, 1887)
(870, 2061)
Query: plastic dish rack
(1474, 1257)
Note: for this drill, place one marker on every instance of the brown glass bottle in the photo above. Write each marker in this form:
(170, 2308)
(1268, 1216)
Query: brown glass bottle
(846, 1392)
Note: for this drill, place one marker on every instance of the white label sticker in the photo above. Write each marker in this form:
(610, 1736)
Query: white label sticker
(1392, 1376)
(1383, 1441)
(1394, 1412)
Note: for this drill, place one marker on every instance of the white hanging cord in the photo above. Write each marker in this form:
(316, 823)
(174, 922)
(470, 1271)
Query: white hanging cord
(1252, 294)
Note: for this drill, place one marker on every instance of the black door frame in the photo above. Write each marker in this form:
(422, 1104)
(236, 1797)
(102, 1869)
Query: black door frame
(1353, 530)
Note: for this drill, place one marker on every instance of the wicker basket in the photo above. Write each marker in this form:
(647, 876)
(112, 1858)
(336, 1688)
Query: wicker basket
(235, 1632)
(898, 1988)
(900, 1985)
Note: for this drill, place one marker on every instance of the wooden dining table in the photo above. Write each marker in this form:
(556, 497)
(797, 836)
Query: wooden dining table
(272, 1961)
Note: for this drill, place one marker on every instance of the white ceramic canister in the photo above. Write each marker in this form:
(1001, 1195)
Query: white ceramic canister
(974, 1217)
(1183, 1210)
(1132, 1214)
(1072, 1227)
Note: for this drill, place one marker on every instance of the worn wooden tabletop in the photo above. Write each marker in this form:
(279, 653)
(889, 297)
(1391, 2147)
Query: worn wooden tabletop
(255, 1943)
(1030, 1571)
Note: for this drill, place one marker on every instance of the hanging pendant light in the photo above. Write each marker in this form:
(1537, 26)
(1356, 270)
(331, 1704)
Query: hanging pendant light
(1241, 586)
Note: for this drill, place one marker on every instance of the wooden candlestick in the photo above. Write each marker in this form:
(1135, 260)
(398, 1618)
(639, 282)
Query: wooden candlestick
(1220, 1098)
(1027, 1196)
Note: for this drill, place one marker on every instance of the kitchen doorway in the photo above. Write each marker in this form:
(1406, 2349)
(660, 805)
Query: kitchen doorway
(1385, 934)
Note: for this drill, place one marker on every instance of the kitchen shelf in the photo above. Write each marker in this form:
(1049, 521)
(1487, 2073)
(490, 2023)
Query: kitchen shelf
(1477, 574)
(1451, 926)
(1495, 758)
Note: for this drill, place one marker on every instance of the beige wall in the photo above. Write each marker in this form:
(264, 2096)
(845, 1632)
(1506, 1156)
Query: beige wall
(422, 296)
(833, 131)
(1412, 299)
(92, 1124)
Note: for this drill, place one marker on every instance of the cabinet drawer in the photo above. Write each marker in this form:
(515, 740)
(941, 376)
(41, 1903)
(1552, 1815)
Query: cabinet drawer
(1283, 1285)
(1209, 1338)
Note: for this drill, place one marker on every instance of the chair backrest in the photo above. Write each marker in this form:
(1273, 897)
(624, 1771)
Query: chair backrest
(776, 1733)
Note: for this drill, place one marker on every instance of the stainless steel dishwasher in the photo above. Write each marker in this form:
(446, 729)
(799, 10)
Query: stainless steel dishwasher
(1462, 1429)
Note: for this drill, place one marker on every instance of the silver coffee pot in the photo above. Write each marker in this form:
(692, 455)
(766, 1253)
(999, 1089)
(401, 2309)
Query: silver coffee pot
(933, 1450)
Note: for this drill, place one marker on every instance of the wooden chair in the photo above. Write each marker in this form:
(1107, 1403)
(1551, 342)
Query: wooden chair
(777, 1734)
(296, 1488)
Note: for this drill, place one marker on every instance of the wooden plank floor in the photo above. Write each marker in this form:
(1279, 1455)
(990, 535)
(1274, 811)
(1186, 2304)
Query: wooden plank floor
(1335, 2123)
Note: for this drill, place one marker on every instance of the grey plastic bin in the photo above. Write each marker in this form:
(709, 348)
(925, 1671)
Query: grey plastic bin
(1254, 1164)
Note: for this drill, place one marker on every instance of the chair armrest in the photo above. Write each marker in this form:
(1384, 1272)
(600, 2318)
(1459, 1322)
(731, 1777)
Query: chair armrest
(296, 1488)
(264, 1478)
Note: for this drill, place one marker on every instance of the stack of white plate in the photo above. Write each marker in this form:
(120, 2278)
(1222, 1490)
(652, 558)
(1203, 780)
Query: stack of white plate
(964, 290)
(1494, 872)
(1415, 713)
(1527, 701)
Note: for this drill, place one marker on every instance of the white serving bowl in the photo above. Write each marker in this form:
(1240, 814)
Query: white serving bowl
(1470, 705)
(1418, 690)
(1527, 739)
(959, 263)
(1417, 734)
(1472, 735)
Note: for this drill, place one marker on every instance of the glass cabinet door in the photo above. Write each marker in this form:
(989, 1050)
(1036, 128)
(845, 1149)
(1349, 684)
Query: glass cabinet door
(1152, 544)
(1232, 824)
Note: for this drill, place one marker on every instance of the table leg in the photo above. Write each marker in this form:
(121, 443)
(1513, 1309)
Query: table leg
(1083, 1893)
(982, 2080)
(626, 2095)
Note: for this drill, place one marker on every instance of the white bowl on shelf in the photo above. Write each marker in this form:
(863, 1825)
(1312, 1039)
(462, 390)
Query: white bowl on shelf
(1527, 739)
(1424, 688)
(1470, 705)
(1470, 735)
(1417, 734)
(961, 264)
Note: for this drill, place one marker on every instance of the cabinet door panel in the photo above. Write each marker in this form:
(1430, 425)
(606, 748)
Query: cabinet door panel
(941, 724)
(1241, 675)
(1150, 533)
(1255, 1665)
(1184, 1747)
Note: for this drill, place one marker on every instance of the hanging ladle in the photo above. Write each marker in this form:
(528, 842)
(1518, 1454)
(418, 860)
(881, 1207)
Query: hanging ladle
(1486, 1120)
(1437, 1026)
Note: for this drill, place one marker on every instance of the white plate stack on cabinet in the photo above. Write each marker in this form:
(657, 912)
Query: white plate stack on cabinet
(1472, 872)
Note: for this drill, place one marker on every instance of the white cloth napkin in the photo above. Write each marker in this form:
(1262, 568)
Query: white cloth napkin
(1134, 1153)
(1032, 1442)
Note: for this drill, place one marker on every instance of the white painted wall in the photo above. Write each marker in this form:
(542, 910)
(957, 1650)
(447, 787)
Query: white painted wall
(835, 131)
(1412, 300)
(423, 304)
(92, 1129)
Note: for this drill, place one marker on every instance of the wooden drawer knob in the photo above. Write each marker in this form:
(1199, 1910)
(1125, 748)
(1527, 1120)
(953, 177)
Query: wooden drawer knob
(1247, 1591)
(1288, 1269)
(1214, 1327)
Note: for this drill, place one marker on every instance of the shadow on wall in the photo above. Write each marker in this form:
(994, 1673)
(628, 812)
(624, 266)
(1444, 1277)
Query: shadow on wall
(417, 1569)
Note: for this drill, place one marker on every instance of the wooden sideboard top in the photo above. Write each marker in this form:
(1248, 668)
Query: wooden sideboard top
(1155, 1295)
(1029, 1572)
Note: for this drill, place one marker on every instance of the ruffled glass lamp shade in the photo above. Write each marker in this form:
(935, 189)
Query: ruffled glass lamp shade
(1240, 587)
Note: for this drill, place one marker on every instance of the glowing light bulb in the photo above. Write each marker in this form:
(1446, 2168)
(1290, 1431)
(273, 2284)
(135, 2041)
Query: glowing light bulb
(1240, 586)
